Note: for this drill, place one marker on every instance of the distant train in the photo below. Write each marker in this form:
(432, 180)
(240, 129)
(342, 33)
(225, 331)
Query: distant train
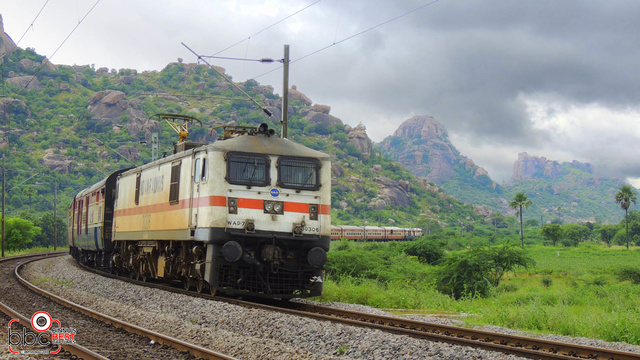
(374, 233)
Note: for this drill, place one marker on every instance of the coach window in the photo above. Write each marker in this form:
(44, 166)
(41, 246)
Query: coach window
(248, 169)
(299, 173)
(174, 186)
(137, 197)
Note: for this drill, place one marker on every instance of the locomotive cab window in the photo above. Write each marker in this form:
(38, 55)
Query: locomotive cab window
(248, 169)
(200, 170)
(299, 173)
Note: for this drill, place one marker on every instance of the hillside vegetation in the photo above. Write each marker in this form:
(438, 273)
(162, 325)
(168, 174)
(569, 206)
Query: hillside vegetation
(69, 127)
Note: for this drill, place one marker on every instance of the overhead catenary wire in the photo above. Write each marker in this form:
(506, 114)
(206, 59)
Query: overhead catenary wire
(264, 109)
(32, 22)
(59, 47)
(267, 28)
(354, 35)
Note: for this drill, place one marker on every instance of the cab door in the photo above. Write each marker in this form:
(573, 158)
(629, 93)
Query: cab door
(199, 177)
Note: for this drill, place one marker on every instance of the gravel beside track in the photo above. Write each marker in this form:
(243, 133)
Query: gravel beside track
(97, 336)
(250, 333)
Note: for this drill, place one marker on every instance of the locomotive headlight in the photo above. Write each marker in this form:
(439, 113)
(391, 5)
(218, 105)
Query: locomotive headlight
(277, 207)
(273, 207)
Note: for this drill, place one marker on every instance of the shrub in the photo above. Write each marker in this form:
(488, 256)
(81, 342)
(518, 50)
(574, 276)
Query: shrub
(429, 252)
(473, 273)
(546, 281)
(629, 273)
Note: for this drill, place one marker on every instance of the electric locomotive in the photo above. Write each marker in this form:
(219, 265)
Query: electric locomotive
(247, 215)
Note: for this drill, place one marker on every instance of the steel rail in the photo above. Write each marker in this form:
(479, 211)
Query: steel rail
(195, 350)
(77, 350)
(534, 348)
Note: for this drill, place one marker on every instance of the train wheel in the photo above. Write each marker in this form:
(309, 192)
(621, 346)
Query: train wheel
(211, 290)
(187, 283)
(200, 286)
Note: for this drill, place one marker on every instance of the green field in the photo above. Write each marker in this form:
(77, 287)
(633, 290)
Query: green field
(574, 291)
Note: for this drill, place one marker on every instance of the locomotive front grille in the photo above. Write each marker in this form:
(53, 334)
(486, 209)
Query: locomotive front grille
(283, 283)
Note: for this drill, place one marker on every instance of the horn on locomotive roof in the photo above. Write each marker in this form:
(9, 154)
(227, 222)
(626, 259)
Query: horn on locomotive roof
(181, 128)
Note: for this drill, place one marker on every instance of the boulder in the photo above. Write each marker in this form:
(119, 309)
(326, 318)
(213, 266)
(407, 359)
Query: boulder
(30, 82)
(325, 109)
(294, 94)
(321, 118)
(27, 64)
(360, 140)
(48, 66)
(392, 192)
(56, 162)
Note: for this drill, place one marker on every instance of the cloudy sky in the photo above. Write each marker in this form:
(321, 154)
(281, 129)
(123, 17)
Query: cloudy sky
(559, 79)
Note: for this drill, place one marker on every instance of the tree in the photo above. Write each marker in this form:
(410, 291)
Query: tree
(520, 201)
(552, 232)
(19, 233)
(625, 196)
(29, 191)
(472, 273)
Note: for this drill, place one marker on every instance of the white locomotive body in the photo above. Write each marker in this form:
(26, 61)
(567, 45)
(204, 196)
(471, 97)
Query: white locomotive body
(247, 215)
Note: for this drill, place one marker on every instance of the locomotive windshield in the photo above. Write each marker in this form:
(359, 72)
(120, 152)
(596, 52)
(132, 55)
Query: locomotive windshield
(248, 169)
(299, 173)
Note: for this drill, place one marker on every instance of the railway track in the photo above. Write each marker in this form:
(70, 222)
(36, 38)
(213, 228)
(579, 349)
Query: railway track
(102, 333)
(510, 344)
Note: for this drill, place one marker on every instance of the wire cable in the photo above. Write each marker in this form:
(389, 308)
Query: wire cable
(32, 22)
(354, 35)
(60, 46)
(268, 27)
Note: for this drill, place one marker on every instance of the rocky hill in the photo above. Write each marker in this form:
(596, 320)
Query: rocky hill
(73, 125)
(569, 191)
(422, 145)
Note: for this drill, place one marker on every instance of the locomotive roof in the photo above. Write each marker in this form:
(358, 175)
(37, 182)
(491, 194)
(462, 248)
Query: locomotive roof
(263, 144)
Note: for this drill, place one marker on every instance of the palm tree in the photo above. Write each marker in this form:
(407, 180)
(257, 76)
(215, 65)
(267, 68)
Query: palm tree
(520, 201)
(625, 197)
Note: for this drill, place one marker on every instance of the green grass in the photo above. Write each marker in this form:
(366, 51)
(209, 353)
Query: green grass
(576, 293)
(34, 250)
(54, 281)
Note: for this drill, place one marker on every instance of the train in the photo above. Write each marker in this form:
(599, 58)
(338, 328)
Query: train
(249, 214)
(374, 233)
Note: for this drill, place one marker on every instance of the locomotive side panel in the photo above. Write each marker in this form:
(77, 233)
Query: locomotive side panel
(153, 203)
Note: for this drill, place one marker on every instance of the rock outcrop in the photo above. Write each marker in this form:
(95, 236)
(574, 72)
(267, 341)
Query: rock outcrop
(294, 94)
(422, 145)
(534, 167)
(392, 192)
(28, 82)
(56, 162)
(360, 140)
(6, 44)
(110, 107)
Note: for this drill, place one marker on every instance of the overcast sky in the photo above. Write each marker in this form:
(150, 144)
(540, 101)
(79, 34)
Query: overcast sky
(559, 79)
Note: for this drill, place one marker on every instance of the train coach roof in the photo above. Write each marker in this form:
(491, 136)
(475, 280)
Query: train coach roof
(267, 145)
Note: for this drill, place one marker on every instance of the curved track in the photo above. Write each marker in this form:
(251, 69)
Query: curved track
(97, 331)
(509, 344)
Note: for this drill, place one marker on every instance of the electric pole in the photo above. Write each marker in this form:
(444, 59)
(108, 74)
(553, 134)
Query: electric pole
(285, 92)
